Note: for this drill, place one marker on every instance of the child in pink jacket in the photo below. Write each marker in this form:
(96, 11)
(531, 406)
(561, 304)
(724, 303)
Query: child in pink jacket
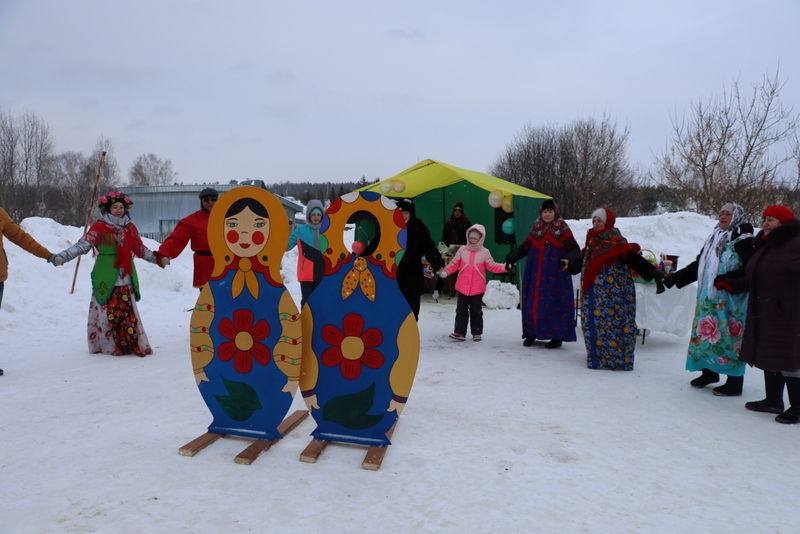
(471, 261)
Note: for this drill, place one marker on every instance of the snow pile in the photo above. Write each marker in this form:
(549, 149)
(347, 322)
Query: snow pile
(500, 295)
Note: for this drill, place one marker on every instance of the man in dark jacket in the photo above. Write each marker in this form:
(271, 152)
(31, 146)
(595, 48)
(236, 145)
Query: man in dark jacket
(192, 228)
(771, 339)
(418, 244)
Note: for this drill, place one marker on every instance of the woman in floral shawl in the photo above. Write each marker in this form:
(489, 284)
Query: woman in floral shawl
(546, 299)
(608, 297)
(719, 319)
(114, 324)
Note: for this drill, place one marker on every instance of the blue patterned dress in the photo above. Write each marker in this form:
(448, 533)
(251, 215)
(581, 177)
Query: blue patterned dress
(608, 319)
(719, 322)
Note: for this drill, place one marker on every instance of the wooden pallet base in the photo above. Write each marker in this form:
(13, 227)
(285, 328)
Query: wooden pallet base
(372, 459)
(249, 455)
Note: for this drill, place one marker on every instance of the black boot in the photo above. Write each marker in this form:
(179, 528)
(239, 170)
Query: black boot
(553, 344)
(708, 377)
(529, 341)
(792, 415)
(731, 388)
(773, 386)
(1, 372)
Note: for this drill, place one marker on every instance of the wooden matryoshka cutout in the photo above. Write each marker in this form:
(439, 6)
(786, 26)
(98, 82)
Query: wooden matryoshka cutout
(245, 329)
(361, 343)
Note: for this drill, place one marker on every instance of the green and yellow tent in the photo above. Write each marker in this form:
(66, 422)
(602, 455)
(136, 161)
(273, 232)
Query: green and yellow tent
(435, 187)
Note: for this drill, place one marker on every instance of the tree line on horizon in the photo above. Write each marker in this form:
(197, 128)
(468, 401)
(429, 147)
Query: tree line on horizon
(741, 145)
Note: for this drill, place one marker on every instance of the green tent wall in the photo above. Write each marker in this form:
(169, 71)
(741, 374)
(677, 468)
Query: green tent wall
(442, 185)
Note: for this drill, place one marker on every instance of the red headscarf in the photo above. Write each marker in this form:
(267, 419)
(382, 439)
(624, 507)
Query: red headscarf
(602, 247)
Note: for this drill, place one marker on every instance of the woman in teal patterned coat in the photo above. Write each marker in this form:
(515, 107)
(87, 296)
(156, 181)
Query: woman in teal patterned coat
(720, 314)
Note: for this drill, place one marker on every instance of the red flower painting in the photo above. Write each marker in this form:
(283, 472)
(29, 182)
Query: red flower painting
(243, 346)
(352, 347)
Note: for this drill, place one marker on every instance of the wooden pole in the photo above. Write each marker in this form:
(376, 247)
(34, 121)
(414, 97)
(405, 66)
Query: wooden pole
(99, 175)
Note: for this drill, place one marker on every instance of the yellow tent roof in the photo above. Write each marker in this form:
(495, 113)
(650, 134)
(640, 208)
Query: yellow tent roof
(430, 174)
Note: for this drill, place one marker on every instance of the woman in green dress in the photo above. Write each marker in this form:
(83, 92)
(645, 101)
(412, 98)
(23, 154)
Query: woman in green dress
(114, 326)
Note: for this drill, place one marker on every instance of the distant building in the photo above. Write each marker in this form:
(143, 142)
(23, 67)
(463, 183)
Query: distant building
(158, 208)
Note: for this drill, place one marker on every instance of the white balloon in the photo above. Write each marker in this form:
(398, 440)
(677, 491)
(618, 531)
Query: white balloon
(386, 187)
(495, 198)
(398, 186)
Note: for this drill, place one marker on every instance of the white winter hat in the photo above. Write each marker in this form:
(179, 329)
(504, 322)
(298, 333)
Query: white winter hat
(600, 213)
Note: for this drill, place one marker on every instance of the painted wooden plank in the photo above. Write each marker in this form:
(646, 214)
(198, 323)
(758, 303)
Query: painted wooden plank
(199, 443)
(313, 450)
(249, 455)
(291, 422)
(374, 456)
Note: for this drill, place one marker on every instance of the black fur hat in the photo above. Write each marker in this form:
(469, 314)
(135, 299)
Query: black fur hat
(548, 204)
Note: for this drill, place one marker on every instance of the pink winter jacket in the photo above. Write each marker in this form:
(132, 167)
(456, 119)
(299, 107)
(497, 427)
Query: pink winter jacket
(471, 262)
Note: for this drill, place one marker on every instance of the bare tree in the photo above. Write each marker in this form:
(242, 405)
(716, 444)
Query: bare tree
(582, 165)
(727, 148)
(9, 142)
(149, 169)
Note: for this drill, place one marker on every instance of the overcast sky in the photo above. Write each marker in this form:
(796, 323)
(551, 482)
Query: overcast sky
(333, 90)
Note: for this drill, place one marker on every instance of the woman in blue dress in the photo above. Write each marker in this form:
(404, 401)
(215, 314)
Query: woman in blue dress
(547, 301)
(608, 297)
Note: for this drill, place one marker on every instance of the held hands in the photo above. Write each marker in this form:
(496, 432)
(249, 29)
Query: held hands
(56, 260)
(658, 276)
(442, 274)
(162, 261)
(721, 284)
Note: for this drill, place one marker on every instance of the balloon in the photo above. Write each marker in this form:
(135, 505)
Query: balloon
(507, 204)
(508, 226)
(358, 247)
(386, 187)
(495, 198)
(398, 186)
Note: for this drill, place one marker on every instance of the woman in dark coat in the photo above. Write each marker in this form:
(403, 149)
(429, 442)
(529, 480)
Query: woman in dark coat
(455, 229)
(547, 298)
(772, 337)
(418, 244)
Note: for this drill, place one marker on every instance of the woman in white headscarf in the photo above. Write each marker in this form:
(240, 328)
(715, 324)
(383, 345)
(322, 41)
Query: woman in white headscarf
(720, 314)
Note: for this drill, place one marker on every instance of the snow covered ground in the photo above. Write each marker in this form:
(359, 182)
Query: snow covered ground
(496, 437)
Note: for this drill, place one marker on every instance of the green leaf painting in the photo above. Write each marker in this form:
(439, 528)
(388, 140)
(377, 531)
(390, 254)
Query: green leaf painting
(242, 401)
(350, 411)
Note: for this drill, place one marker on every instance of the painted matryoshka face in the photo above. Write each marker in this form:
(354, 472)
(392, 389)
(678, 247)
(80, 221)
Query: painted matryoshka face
(246, 233)
(117, 209)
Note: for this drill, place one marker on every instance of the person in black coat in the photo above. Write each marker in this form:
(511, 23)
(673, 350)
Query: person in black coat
(455, 229)
(418, 244)
(771, 341)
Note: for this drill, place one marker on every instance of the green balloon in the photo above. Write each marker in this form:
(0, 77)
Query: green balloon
(508, 226)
